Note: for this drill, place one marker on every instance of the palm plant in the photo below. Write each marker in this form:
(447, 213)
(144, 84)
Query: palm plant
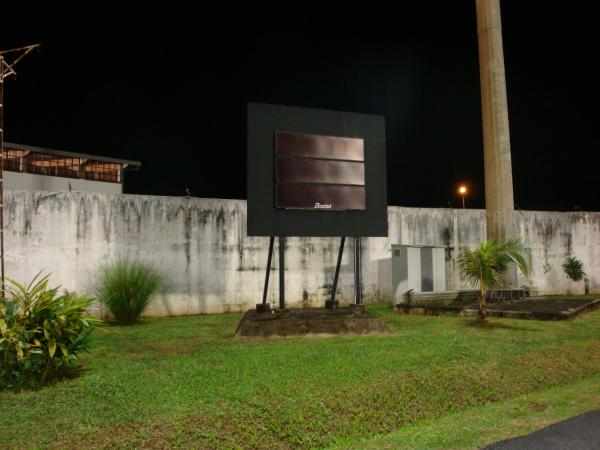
(485, 266)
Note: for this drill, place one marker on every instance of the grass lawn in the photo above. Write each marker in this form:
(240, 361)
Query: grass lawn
(480, 426)
(434, 382)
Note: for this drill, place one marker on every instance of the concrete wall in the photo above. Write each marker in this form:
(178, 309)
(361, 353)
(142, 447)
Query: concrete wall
(212, 266)
(34, 182)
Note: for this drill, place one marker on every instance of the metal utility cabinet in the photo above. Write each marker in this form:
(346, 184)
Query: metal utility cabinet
(420, 268)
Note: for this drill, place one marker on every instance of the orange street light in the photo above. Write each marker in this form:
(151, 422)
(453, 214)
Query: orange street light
(462, 190)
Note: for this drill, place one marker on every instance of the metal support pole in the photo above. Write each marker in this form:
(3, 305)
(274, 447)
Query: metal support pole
(6, 70)
(337, 270)
(357, 282)
(281, 272)
(271, 241)
(2, 279)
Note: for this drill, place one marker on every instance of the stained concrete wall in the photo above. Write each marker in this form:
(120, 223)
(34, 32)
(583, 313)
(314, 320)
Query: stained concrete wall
(213, 266)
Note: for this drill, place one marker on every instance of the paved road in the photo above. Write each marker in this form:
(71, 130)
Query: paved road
(579, 433)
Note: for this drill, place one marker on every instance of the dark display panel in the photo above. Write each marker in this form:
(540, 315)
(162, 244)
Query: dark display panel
(303, 145)
(319, 172)
(298, 157)
(320, 196)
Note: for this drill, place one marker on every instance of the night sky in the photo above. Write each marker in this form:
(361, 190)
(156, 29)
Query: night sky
(168, 86)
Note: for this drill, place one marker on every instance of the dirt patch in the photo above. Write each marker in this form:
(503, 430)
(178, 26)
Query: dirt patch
(536, 405)
(309, 321)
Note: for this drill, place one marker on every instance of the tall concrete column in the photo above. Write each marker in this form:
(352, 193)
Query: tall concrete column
(499, 200)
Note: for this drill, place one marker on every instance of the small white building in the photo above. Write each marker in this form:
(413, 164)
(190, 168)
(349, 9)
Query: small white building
(30, 168)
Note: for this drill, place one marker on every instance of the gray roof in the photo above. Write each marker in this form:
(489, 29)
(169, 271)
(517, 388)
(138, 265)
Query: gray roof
(132, 165)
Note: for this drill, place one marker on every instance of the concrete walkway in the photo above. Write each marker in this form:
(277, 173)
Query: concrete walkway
(579, 433)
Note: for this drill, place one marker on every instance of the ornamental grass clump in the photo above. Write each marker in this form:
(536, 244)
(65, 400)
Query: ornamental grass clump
(41, 332)
(127, 287)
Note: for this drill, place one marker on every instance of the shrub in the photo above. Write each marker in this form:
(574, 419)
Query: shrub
(41, 332)
(573, 268)
(127, 287)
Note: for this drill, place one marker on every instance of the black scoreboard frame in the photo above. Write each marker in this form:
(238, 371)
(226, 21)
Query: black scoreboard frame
(266, 219)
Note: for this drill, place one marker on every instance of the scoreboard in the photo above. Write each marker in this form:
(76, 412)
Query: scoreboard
(315, 172)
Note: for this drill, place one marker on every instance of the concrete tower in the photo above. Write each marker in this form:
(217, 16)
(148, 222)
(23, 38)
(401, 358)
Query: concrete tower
(499, 200)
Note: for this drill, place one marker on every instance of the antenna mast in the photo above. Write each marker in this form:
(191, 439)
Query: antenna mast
(8, 60)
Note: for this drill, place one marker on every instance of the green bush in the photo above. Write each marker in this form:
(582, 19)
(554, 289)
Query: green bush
(41, 332)
(127, 287)
(573, 269)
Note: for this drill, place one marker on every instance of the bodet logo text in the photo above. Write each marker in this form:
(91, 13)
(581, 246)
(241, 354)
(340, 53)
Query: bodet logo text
(323, 205)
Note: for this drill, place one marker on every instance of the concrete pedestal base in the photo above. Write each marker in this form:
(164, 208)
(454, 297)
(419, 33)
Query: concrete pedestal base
(310, 321)
(263, 308)
(536, 308)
